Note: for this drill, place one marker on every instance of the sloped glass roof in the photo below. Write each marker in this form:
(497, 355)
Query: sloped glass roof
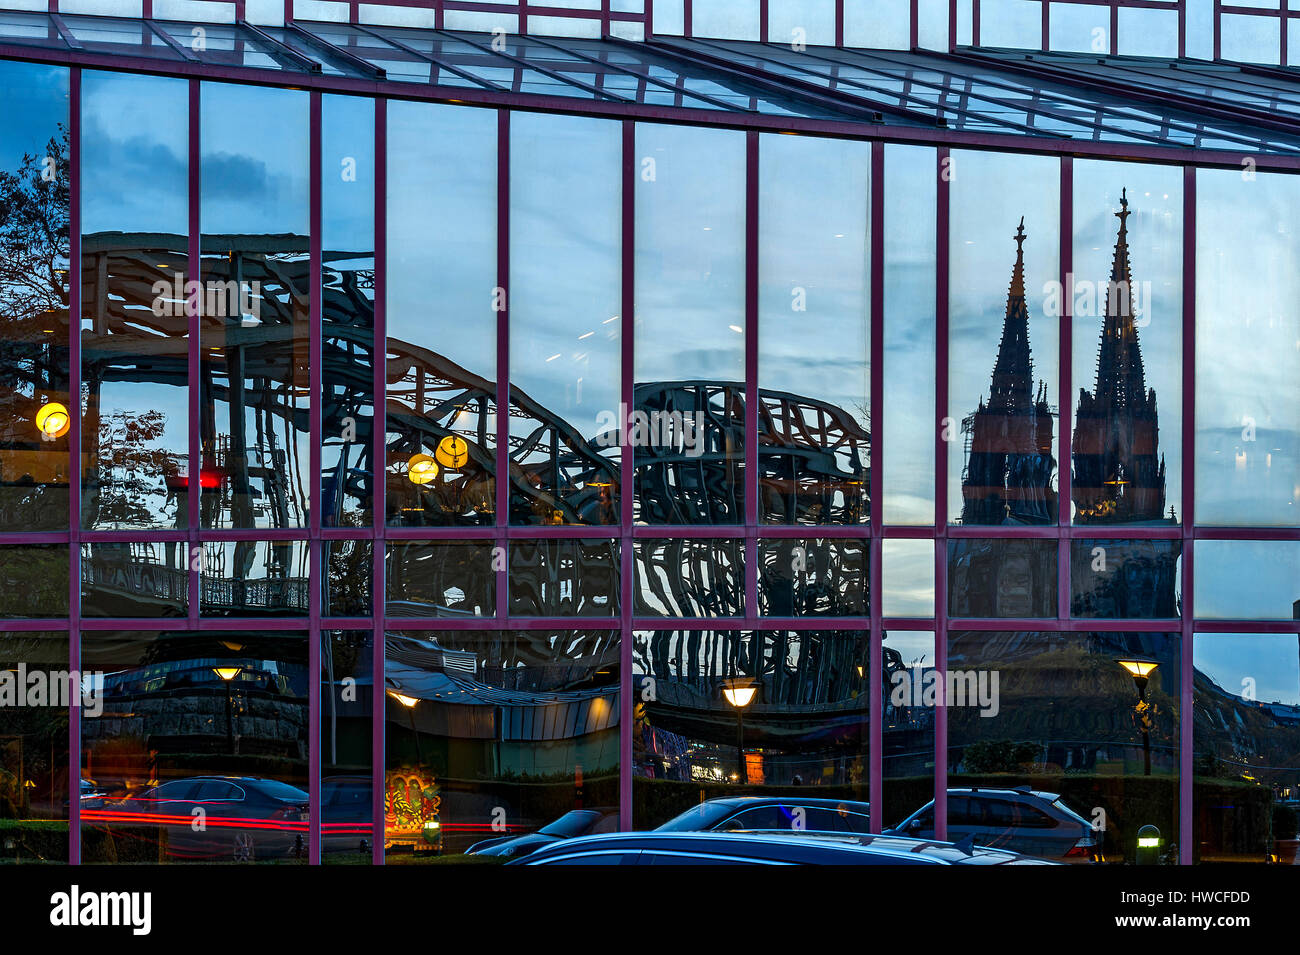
(1060, 96)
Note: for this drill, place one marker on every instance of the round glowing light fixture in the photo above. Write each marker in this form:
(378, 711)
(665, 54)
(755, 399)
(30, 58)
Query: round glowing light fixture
(452, 452)
(53, 420)
(421, 469)
(739, 692)
(227, 673)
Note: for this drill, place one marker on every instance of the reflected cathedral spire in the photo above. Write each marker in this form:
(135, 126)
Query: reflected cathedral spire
(1009, 461)
(1119, 473)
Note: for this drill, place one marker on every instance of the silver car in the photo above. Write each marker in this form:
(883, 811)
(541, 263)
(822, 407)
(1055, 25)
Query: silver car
(1017, 820)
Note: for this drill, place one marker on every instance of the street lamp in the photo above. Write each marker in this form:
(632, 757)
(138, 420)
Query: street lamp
(1141, 668)
(409, 702)
(53, 421)
(739, 692)
(227, 675)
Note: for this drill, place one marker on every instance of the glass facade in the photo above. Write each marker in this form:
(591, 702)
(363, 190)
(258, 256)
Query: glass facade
(561, 467)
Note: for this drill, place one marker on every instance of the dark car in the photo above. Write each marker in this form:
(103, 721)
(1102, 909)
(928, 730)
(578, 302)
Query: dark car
(760, 848)
(577, 822)
(243, 818)
(773, 813)
(347, 821)
(1018, 820)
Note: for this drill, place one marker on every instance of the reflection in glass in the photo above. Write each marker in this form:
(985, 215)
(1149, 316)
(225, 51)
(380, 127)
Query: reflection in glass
(814, 280)
(565, 328)
(907, 578)
(138, 579)
(1247, 349)
(347, 578)
(183, 720)
(134, 324)
(1247, 735)
(689, 578)
(907, 733)
(1244, 580)
(553, 578)
(256, 393)
(805, 724)
(909, 304)
(1127, 286)
(34, 580)
(442, 304)
(440, 579)
(346, 789)
(1068, 717)
(1001, 578)
(254, 578)
(347, 310)
(492, 730)
(1138, 579)
(34, 793)
(812, 578)
(34, 401)
(1006, 471)
(688, 404)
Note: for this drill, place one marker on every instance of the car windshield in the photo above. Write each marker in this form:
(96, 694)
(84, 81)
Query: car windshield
(573, 823)
(698, 818)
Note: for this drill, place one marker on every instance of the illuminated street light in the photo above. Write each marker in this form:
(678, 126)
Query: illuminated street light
(53, 420)
(739, 692)
(227, 675)
(1141, 668)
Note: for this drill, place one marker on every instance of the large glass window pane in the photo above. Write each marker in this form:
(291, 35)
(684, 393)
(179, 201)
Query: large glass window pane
(492, 736)
(1247, 348)
(1066, 717)
(740, 713)
(812, 578)
(34, 403)
(907, 578)
(347, 746)
(134, 324)
(347, 577)
(197, 747)
(440, 579)
(442, 304)
(347, 310)
(814, 290)
(910, 190)
(1126, 302)
(1247, 736)
(137, 579)
(255, 579)
(1136, 579)
(34, 580)
(1256, 580)
(1004, 244)
(255, 308)
(36, 690)
(689, 578)
(553, 578)
(907, 733)
(688, 417)
(1004, 577)
(565, 331)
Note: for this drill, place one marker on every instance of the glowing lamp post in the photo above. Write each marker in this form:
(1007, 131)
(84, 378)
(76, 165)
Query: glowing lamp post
(739, 692)
(409, 703)
(227, 675)
(1141, 669)
(53, 421)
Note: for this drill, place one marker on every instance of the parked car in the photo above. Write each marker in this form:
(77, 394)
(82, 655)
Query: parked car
(774, 813)
(244, 817)
(763, 848)
(1018, 820)
(577, 822)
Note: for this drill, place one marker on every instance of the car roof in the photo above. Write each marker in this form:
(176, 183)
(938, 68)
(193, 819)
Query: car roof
(785, 846)
(747, 801)
(1004, 791)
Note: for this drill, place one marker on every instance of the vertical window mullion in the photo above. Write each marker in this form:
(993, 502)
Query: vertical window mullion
(74, 470)
(627, 466)
(941, 494)
(1186, 849)
(379, 523)
(315, 349)
(875, 404)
